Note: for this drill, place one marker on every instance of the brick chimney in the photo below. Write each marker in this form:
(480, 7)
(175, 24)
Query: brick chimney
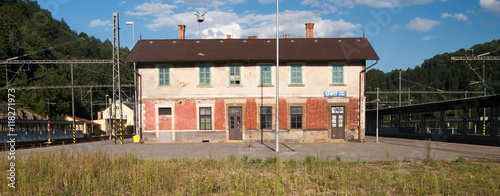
(309, 30)
(252, 37)
(228, 36)
(182, 31)
(287, 36)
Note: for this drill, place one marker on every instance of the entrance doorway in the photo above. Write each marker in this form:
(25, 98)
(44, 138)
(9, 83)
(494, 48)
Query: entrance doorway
(338, 130)
(235, 124)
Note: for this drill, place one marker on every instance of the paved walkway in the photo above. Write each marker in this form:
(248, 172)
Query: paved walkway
(398, 149)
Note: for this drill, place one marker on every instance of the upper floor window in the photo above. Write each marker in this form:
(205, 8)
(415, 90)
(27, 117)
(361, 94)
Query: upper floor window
(265, 74)
(164, 76)
(337, 74)
(204, 75)
(234, 75)
(296, 74)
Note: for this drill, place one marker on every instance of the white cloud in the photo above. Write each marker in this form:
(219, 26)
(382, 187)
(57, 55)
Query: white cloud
(219, 23)
(98, 23)
(312, 3)
(380, 3)
(455, 16)
(394, 27)
(266, 1)
(429, 37)
(490, 6)
(122, 2)
(421, 24)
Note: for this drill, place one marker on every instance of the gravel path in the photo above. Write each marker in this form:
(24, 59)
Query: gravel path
(397, 149)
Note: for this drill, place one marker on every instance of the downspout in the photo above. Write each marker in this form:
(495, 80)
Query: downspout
(359, 111)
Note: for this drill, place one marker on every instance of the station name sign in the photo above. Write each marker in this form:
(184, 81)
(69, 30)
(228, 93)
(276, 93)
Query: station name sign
(335, 93)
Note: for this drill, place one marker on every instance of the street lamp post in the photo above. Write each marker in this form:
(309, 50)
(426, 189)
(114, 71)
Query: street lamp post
(133, 33)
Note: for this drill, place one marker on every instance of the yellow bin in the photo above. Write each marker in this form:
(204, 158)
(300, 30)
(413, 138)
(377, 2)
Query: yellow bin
(137, 138)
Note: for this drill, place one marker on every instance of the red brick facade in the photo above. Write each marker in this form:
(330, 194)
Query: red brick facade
(185, 115)
(316, 114)
(165, 123)
(283, 115)
(250, 114)
(353, 114)
(220, 115)
(149, 115)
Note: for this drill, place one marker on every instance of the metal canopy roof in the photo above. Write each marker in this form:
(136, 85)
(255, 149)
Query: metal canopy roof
(469, 103)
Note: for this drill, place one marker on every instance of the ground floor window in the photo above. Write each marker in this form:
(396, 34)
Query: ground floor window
(296, 117)
(205, 118)
(266, 117)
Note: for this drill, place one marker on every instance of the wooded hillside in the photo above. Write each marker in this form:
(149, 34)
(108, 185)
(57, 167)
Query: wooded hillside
(439, 73)
(30, 33)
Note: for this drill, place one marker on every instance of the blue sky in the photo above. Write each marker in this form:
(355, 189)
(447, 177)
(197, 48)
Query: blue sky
(403, 32)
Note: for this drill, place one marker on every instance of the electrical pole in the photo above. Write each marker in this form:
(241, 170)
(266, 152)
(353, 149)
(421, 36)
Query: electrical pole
(484, 58)
(399, 88)
(277, 77)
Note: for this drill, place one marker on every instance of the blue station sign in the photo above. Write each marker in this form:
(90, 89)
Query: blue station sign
(335, 93)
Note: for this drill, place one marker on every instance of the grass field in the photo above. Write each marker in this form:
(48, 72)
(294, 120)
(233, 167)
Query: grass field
(96, 173)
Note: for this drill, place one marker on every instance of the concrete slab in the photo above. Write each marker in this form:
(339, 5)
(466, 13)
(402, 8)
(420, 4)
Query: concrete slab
(397, 149)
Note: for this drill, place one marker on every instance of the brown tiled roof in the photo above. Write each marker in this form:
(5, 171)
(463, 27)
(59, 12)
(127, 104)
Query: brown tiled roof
(211, 50)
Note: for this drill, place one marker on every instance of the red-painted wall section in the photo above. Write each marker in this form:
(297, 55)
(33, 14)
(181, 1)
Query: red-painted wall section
(149, 115)
(165, 123)
(250, 114)
(283, 115)
(353, 114)
(185, 115)
(316, 114)
(220, 115)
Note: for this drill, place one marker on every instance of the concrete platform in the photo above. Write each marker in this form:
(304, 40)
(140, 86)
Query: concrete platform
(399, 149)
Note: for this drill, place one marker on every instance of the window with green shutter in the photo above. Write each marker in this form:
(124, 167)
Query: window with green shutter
(205, 75)
(265, 75)
(234, 75)
(296, 74)
(164, 76)
(337, 74)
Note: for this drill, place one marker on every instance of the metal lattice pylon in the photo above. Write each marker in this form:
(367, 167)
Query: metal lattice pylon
(117, 101)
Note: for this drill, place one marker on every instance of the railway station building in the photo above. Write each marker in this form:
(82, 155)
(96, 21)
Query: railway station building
(220, 90)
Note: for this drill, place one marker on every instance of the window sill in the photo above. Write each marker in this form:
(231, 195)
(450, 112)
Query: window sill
(235, 86)
(296, 85)
(338, 85)
(265, 85)
(204, 86)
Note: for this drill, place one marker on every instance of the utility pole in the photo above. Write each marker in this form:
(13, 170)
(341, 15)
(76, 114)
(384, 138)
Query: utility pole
(73, 102)
(484, 58)
(47, 114)
(399, 88)
(277, 77)
(117, 101)
(378, 100)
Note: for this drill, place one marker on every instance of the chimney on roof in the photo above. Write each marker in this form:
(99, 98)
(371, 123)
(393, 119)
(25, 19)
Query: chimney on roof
(252, 37)
(287, 36)
(309, 30)
(228, 36)
(182, 31)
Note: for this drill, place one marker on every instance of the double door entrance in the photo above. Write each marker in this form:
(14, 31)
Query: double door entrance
(235, 123)
(338, 128)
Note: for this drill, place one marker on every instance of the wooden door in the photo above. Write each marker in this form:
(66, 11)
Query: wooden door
(338, 129)
(235, 123)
